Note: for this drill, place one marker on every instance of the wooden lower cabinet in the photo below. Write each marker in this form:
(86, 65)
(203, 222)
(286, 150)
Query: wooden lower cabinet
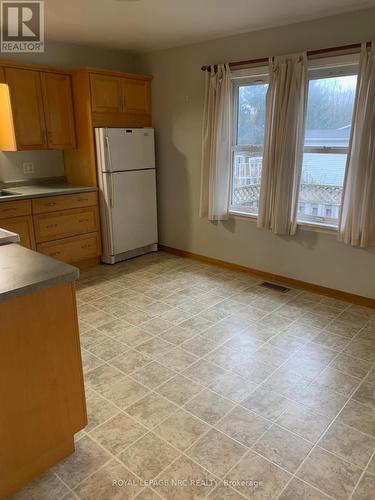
(22, 226)
(65, 227)
(74, 249)
(42, 397)
(67, 223)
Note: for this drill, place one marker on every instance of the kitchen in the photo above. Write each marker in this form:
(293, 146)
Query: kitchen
(187, 293)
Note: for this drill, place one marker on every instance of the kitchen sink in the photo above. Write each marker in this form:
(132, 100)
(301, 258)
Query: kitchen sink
(7, 193)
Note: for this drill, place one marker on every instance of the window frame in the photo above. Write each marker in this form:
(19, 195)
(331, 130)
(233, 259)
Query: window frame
(248, 76)
(328, 67)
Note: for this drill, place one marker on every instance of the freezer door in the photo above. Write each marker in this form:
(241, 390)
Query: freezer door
(130, 148)
(134, 210)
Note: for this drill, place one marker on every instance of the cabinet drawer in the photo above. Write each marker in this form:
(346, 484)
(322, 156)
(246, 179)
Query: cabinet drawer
(15, 208)
(63, 224)
(22, 226)
(63, 202)
(73, 249)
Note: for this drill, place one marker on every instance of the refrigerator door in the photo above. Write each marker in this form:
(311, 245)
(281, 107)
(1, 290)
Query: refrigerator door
(129, 149)
(133, 210)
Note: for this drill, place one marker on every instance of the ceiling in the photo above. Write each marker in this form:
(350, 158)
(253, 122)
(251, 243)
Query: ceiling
(148, 25)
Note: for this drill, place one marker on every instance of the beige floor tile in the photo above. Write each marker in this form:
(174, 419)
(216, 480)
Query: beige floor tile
(286, 383)
(371, 466)
(130, 361)
(47, 486)
(362, 350)
(358, 416)
(196, 324)
(303, 332)
(91, 337)
(176, 335)
(108, 349)
(179, 389)
(366, 488)
(124, 392)
(223, 492)
(329, 473)
(185, 480)
(322, 400)
(98, 409)
(243, 426)
(270, 479)
(103, 376)
(337, 381)
(153, 374)
(208, 406)
(88, 458)
(216, 452)
(89, 361)
(302, 421)
(331, 340)
(365, 394)
(266, 403)
(348, 443)
(100, 485)
(151, 410)
(156, 326)
(203, 372)
(297, 489)
(370, 379)
(178, 359)
(148, 456)
(351, 366)
(132, 336)
(287, 342)
(181, 429)
(118, 432)
(283, 448)
(339, 327)
(148, 494)
(200, 345)
(233, 387)
(154, 347)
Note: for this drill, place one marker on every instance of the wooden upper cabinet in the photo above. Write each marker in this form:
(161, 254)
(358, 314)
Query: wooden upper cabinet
(105, 94)
(36, 110)
(136, 96)
(27, 111)
(2, 75)
(58, 110)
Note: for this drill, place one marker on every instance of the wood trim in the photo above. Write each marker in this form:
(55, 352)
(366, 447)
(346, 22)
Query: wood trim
(120, 74)
(311, 287)
(36, 67)
(87, 263)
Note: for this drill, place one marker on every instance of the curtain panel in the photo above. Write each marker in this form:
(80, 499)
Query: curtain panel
(283, 147)
(216, 144)
(357, 218)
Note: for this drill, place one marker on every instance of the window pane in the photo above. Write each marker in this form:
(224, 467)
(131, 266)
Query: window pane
(247, 166)
(328, 123)
(247, 169)
(251, 114)
(329, 111)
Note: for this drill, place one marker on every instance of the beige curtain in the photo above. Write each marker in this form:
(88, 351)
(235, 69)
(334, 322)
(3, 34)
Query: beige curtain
(357, 219)
(283, 148)
(217, 141)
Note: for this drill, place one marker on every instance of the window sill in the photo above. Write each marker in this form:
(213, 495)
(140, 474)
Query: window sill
(305, 226)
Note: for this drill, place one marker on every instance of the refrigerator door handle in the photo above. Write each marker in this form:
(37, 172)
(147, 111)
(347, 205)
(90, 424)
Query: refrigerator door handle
(110, 184)
(108, 152)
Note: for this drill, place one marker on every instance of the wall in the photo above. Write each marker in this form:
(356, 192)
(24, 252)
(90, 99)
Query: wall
(46, 164)
(64, 55)
(178, 91)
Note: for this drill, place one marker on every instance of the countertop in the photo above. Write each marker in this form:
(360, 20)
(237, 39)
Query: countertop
(23, 271)
(8, 237)
(40, 190)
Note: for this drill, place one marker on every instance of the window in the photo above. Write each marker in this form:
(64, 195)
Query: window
(331, 94)
(247, 151)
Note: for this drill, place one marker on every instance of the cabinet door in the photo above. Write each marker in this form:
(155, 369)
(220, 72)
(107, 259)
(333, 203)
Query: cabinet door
(27, 107)
(136, 96)
(22, 226)
(2, 75)
(106, 94)
(58, 108)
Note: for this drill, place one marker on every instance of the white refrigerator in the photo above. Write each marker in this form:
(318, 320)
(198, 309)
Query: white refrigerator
(127, 192)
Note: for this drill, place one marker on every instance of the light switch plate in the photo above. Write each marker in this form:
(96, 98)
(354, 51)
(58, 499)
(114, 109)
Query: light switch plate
(28, 167)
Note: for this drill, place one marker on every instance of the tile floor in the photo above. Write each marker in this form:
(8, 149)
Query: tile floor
(201, 384)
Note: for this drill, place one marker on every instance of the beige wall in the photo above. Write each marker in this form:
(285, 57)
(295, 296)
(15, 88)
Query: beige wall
(177, 106)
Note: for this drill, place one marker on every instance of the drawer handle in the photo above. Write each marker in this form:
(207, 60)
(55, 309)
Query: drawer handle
(83, 220)
(86, 245)
(49, 226)
(53, 254)
(51, 204)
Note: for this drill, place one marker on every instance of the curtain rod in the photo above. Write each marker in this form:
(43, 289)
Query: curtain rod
(309, 53)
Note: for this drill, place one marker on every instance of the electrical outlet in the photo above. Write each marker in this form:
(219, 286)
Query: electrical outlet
(28, 167)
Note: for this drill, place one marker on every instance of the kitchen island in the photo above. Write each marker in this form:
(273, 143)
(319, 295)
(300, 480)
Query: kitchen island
(42, 396)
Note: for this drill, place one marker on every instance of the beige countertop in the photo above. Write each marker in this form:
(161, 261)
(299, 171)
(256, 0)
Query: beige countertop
(41, 190)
